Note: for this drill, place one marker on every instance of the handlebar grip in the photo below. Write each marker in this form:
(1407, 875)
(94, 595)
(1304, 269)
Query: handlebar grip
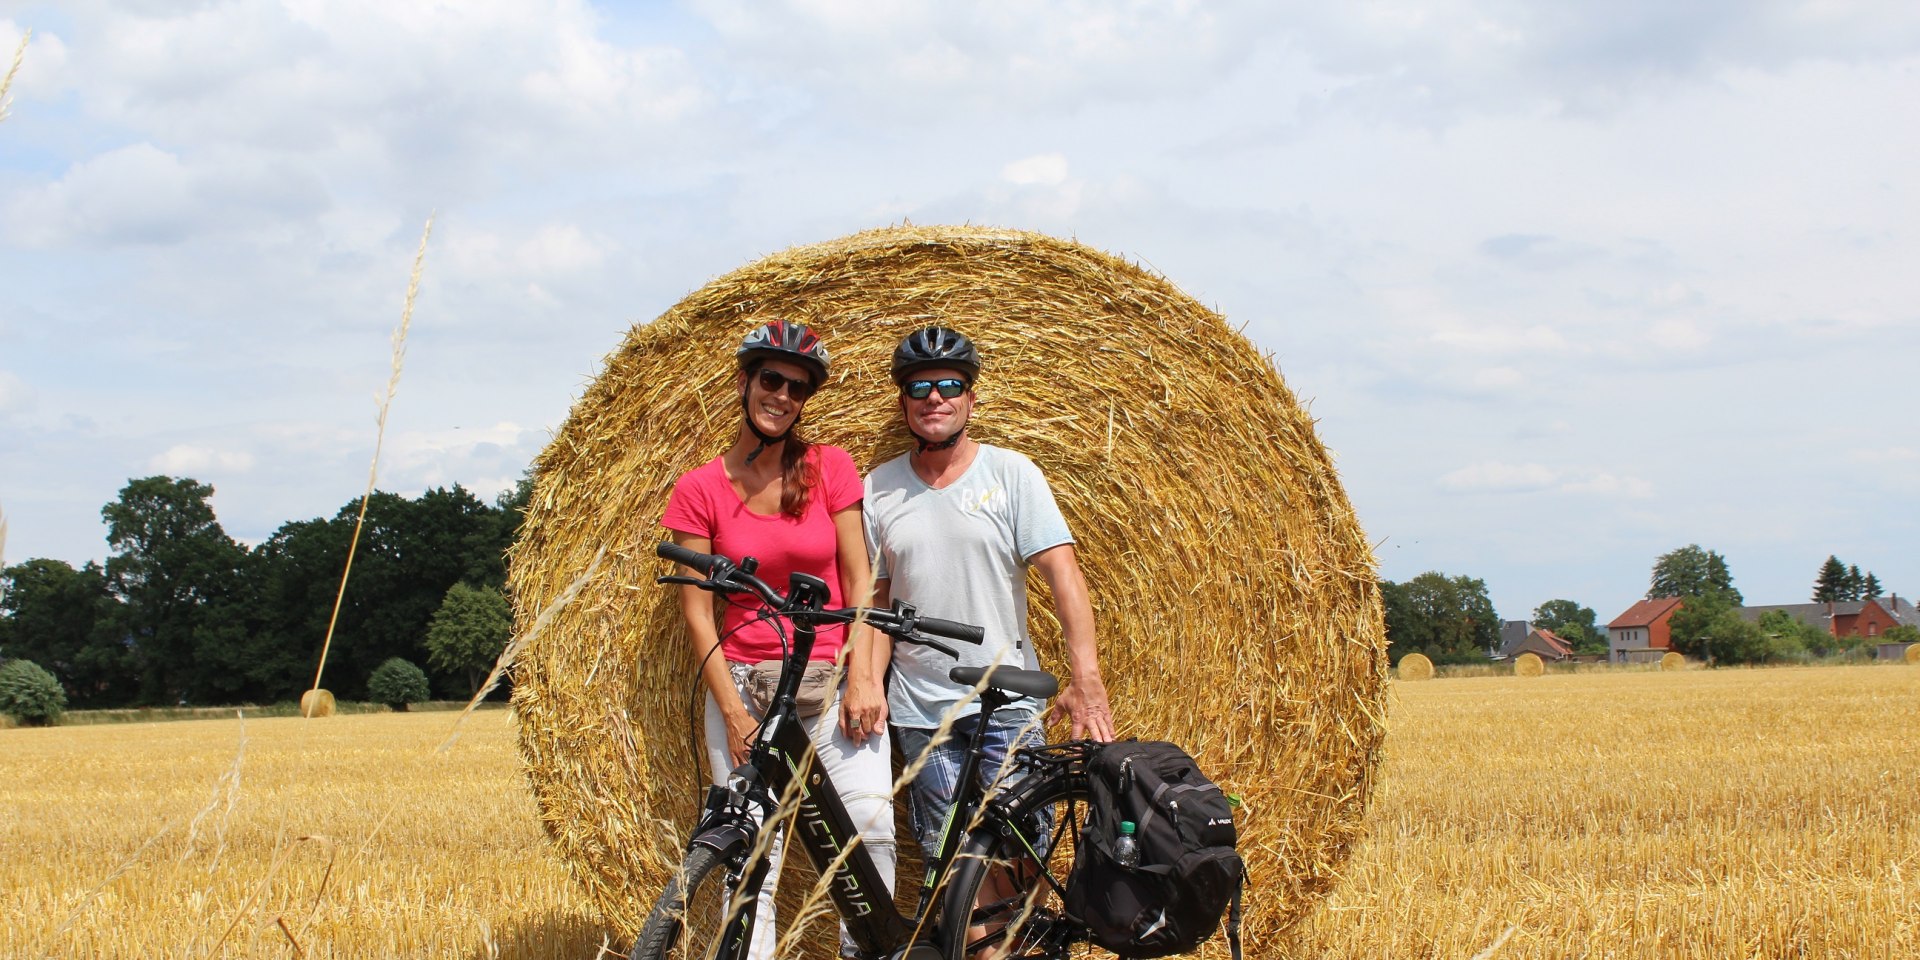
(952, 629)
(703, 562)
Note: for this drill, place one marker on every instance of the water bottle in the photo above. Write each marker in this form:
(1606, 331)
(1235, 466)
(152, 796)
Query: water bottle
(1126, 850)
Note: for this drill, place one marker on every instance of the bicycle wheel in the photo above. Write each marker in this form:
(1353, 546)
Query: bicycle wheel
(1013, 911)
(686, 921)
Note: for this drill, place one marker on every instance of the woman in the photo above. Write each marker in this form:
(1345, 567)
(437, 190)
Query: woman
(795, 506)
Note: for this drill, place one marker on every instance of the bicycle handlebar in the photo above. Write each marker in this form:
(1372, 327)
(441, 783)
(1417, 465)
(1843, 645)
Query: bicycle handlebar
(722, 574)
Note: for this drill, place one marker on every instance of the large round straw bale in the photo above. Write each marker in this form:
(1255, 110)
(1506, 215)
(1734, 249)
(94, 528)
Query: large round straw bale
(1913, 653)
(1528, 665)
(1672, 661)
(316, 703)
(1235, 592)
(1416, 666)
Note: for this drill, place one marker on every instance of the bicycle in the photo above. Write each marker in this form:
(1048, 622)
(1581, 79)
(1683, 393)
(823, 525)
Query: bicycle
(706, 910)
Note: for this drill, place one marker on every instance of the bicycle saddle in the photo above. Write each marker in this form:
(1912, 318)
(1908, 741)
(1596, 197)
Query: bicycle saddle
(1038, 684)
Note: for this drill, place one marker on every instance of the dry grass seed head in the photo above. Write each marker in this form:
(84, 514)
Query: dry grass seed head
(1218, 544)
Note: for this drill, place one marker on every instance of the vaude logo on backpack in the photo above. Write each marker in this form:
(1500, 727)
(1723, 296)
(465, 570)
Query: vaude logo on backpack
(1188, 873)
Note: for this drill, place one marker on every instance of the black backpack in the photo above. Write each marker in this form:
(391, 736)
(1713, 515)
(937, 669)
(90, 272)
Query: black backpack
(1188, 873)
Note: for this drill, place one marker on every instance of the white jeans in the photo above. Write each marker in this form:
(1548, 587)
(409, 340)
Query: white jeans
(864, 776)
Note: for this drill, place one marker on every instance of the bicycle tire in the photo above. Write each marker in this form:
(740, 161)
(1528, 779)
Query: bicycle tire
(1035, 924)
(697, 892)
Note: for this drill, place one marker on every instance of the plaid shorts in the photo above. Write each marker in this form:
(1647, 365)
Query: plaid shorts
(930, 800)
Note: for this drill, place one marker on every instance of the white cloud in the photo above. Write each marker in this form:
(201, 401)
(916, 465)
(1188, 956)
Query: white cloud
(1498, 477)
(1678, 335)
(15, 395)
(188, 459)
(1046, 169)
(1493, 477)
(1875, 456)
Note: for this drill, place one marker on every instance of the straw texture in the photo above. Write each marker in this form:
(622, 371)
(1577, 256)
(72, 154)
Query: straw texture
(1528, 665)
(1913, 653)
(1672, 661)
(1235, 593)
(1415, 666)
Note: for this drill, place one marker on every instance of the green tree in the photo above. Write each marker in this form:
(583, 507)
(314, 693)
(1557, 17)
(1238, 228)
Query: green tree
(1904, 633)
(1574, 623)
(397, 683)
(1870, 588)
(1855, 582)
(65, 619)
(1691, 571)
(1790, 634)
(468, 632)
(1449, 619)
(30, 694)
(172, 568)
(1831, 581)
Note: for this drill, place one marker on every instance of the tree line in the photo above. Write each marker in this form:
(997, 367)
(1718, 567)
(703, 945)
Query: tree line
(182, 613)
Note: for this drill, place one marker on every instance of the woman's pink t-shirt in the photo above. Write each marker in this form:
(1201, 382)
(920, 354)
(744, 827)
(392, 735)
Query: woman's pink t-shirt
(704, 504)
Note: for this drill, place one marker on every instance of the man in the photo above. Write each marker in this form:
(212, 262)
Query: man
(953, 526)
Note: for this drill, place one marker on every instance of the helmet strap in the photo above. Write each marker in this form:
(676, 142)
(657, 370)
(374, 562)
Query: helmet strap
(928, 446)
(766, 439)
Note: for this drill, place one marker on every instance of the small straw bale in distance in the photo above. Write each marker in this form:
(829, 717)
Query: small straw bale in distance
(1672, 660)
(1528, 665)
(1415, 666)
(316, 703)
(1218, 543)
(1913, 653)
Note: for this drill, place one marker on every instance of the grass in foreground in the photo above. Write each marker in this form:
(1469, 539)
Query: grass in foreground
(1737, 813)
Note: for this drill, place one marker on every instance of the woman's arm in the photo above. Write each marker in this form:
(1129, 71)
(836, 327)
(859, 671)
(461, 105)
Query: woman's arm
(863, 711)
(696, 605)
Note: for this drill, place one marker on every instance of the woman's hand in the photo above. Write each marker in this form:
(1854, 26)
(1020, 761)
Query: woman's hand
(863, 711)
(740, 726)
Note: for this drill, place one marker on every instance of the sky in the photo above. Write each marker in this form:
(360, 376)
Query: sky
(1566, 285)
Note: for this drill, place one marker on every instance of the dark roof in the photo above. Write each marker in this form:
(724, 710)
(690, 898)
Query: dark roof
(1811, 614)
(1645, 612)
(1900, 608)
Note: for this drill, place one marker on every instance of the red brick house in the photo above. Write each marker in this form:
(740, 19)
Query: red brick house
(1641, 633)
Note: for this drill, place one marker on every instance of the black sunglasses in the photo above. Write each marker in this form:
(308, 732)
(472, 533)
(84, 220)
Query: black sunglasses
(949, 388)
(771, 382)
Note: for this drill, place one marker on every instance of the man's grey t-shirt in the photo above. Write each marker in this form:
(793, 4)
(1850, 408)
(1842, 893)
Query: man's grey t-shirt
(960, 553)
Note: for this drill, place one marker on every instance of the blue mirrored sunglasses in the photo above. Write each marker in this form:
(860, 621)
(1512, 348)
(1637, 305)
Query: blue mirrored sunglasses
(949, 388)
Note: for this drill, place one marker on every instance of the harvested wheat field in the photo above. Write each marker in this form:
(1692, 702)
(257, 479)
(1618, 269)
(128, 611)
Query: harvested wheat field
(1637, 814)
(198, 838)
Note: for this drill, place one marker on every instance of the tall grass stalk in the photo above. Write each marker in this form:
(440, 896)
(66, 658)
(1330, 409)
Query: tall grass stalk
(6, 83)
(385, 403)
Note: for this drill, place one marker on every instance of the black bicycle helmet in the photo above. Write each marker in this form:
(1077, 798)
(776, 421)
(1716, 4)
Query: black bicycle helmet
(785, 340)
(935, 347)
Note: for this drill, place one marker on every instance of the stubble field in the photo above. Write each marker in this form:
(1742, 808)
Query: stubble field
(1767, 813)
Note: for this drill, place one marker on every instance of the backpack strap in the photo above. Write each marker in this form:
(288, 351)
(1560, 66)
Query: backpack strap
(1233, 918)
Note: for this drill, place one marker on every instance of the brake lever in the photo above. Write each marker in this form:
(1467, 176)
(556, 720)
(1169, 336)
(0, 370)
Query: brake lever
(676, 578)
(937, 645)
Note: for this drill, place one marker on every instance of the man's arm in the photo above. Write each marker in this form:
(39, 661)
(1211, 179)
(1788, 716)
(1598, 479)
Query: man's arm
(1084, 701)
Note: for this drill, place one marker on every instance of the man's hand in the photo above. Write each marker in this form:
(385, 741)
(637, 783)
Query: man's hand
(1084, 702)
(863, 711)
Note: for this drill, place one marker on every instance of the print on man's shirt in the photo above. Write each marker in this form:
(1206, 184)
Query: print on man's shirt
(986, 500)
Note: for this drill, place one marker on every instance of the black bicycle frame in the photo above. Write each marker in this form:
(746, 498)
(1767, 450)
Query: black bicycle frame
(783, 759)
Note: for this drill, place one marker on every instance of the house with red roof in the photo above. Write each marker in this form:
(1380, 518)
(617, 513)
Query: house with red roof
(1545, 644)
(1641, 632)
